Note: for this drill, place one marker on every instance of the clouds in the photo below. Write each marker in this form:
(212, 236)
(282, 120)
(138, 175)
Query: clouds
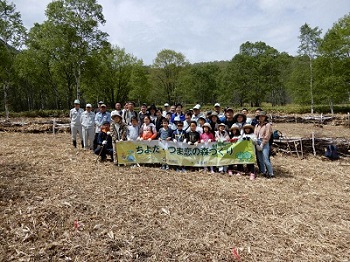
(203, 30)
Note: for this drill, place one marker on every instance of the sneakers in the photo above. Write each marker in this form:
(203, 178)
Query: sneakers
(270, 175)
(238, 174)
(252, 176)
(205, 170)
(230, 172)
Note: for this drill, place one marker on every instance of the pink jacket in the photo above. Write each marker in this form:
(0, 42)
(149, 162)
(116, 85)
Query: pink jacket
(263, 132)
(207, 136)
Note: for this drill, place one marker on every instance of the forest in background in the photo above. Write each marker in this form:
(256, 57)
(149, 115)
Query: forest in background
(68, 57)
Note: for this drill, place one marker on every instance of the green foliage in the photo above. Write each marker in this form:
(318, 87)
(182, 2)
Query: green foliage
(165, 74)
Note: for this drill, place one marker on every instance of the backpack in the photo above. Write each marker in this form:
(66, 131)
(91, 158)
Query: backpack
(331, 152)
(276, 134)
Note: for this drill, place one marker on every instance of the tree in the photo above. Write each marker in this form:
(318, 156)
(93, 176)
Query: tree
(334, 65)
(309, 43)
(166, 70)
(252, 74)
(114, 73)
(12, 35)
(69, 37)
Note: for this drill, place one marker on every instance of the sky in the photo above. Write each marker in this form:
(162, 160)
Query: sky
(203, 30)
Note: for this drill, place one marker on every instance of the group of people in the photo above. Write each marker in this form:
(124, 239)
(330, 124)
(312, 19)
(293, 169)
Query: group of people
(100, 129)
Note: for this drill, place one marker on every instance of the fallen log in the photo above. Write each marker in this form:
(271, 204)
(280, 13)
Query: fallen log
(311, 145)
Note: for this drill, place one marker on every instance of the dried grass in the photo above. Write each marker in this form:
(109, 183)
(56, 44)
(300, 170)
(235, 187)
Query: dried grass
(145, 214)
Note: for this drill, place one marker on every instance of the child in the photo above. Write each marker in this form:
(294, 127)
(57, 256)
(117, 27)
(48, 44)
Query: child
(179, 135)
(248, 134)
(193, 136)
(165, 134)
(201, 121)
(133, 130)
(235, 135)
(207, 137)
(148, 130)
(222, 136)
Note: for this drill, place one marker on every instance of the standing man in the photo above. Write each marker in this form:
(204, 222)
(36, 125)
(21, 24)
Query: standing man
(128, 114)
(98, 107)
(75, 124)
(166, 109)
(87, 124)
(118, 108)
(143, 113)
(100, 118)
(217, 109)
(196, 113)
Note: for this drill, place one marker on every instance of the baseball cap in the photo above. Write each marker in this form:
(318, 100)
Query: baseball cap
(198, 106)
(88, 105)
(166, 104)
(217, 104)
(77, 102)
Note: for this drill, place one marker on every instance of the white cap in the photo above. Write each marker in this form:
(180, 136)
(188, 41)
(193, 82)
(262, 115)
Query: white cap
(88, 105)
(166, 104)
(77, 102)
(217, 104)
(198, 106)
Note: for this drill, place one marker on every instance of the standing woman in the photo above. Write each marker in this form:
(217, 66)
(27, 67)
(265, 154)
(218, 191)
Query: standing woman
(263, 132)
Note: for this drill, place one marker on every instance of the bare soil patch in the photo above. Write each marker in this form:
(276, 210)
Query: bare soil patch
(58, 204)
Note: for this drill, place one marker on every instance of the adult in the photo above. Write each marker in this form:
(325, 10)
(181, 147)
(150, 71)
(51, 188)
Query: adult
(178, 113)
(172, 109)
(100, 118)
(217, 109)
(196, 113)
(104, 142)
(75, 122)
(187, 122)
(214, 121)
(263, 132)
(244, 111)
(152, 113)
(166, 109)
(229, 121)
(255, 120)
(160, 119)
(118, 108)
(143, 112)
(87, 124)
(98, 107)
(240, 119)
(118, 132)
(129, 113)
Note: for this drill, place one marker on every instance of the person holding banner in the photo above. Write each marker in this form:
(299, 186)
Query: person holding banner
(235, 135)
(207, 137)
(117, 131)
(148, 130)
(193, 136)
(179, 136)
(248, 134)
(221, 136)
